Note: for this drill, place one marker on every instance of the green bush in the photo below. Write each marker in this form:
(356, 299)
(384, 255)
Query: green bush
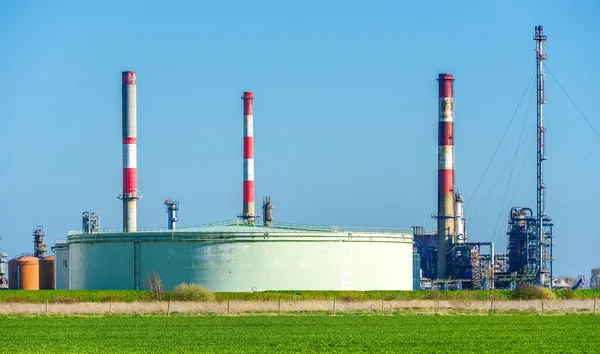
(192, 292)
(530, 292)
(568, 294)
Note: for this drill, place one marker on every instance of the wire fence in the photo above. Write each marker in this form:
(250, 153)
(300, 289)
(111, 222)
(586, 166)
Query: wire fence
(309, 307)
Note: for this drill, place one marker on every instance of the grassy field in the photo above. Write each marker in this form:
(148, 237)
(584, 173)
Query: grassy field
(66, 296)
(423, 334)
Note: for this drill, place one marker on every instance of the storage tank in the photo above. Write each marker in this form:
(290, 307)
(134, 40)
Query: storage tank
(234, 257)
(61, 265)
(13, 274)
(47, 273)
(29, 273)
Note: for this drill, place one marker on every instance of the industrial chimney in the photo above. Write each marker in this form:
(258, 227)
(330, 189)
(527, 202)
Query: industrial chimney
(445, 216)
(248, 185)
(130, 193)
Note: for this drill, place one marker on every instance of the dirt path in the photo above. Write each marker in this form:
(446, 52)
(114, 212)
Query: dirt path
(273, 307)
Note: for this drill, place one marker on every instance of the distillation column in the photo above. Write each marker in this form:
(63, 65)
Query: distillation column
(248, 184)
(129, 111)
(172, 209)
(445, 215)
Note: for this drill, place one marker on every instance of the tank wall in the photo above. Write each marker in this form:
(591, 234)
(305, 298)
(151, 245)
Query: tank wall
(61, 268)
(47, 265)
(29, 274)
(101, 265)
(13, 274)
(247, 265)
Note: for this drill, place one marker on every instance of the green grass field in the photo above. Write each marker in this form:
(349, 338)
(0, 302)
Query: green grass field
(65, 296)
(422, 334)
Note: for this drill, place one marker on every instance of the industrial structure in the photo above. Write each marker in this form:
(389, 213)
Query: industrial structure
(3, 270)
(31, 271)
(248, 184)
(530, 239)
(61, 268)
(445, 215)
(172, 209)
(91, 221)
(236, 255)
(242, 255)
(446, 257)
(267, 212)
(129, 115)
(543, 255)
(452, 260)
(233, 256)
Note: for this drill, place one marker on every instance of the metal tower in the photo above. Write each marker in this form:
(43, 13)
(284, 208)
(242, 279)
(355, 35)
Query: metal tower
(39, 246)
(544, 227)
(267, 212)
(90, 221)
(172, 209)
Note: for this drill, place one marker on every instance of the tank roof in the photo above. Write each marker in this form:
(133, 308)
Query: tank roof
(238, 226)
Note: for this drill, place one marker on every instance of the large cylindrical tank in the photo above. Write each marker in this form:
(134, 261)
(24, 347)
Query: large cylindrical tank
(13, 274)
(47, 273)
(29, 273)
(61, 265)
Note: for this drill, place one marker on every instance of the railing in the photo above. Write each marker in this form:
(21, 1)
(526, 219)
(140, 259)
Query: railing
(306, 227)
(241, 223)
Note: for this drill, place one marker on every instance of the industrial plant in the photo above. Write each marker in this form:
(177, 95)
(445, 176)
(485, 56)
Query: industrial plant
(248, 253)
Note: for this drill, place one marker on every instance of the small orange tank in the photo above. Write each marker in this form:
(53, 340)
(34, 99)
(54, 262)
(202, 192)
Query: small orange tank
(29, 273)
(13, 274)
(47, 273)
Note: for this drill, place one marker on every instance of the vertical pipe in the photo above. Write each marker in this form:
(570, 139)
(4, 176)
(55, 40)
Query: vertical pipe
(445, 216)
(129, 114)
(459, 220)
(248, 155)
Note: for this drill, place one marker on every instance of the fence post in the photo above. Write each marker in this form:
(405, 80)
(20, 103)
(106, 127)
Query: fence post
(228, 306)
(110, 308)
(169, 308)
(46, 307)
(542, 306)
(391, 311)
(334, 307)
(381, 305)
(493, 298)
(371, 309)
(438, 307)
(595, 306)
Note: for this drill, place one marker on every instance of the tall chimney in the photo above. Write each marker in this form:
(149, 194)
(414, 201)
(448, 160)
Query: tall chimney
(445, 216)
(130, 193)
(248, 184)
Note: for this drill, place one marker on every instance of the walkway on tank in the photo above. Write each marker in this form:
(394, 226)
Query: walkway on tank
(240, 226)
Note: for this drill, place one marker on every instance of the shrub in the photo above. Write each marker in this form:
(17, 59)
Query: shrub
(530, 292)
(155, 286)
(568, 294)
(63, 300)
(192, 292)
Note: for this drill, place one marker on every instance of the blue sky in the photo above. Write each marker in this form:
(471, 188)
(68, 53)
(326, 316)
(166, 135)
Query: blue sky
(345, 112)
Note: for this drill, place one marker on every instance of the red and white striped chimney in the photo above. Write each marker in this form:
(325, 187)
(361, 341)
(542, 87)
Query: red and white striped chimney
(130, 192)
(445, 171)
(248, 187)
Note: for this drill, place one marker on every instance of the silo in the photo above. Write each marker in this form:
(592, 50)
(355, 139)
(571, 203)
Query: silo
(29, 273)
(47, 273)
(13, 274)
(61, 265)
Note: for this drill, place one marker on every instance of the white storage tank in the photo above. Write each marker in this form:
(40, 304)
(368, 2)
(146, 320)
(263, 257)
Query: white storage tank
(227, 258)
(61, 265)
